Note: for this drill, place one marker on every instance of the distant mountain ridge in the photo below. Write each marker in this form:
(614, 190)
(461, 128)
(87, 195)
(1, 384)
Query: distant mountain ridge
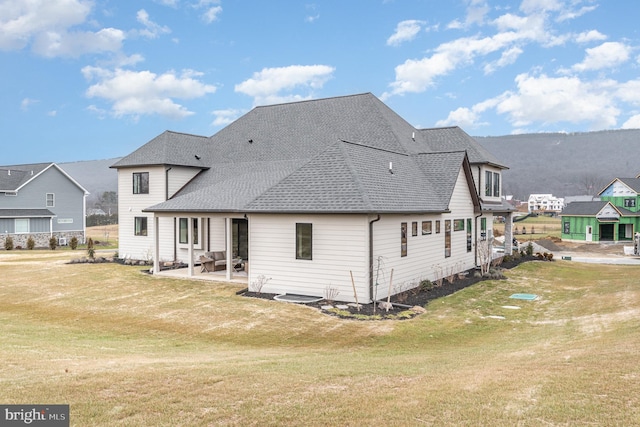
(95, 176)
(563, 164)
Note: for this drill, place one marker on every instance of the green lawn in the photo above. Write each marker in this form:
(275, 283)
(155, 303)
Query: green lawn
(124, 348)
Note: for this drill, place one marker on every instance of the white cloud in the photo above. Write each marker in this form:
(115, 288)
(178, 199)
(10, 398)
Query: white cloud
(405, 31)
(632, 123)
(26, 103)
(543, 99)
(463, 117)
(52, 44)
(135, 93)
(508, 57)
(607, 55)
(211, 9)
(267, 85)
(629, 92)
(170, 3)
(589, 36)
(225, 117)
(48, 26)
(151, 30)
(536, 6)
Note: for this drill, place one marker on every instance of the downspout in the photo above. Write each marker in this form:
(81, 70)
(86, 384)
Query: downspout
(166, 183)
(475, 255)
(475, 252)
(371, 256)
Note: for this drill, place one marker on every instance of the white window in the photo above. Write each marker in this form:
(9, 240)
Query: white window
(496, 184)
(51, 200)
(22, 225)
(183, 231)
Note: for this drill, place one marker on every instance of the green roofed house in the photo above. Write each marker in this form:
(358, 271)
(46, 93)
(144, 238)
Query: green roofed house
(614, 218)
(306, 198)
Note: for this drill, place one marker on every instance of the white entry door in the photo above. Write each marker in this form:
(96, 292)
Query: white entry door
(589, 234)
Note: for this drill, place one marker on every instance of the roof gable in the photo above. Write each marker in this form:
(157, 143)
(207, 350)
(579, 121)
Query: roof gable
(621, 187)
(13, 178)
(169, 148)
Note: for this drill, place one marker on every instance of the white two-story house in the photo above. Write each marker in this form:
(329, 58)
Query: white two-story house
(327, 194)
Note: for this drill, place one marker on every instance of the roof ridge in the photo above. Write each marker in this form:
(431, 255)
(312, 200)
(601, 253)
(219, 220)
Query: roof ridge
(302, 101)
(185, 133)
(356, 177)
(372, 147)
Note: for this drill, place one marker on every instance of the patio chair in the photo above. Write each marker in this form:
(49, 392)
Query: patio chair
(207, 264)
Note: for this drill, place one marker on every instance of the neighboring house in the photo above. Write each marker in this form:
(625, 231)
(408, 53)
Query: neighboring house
(545, 204)
(312, 194)
(42, 201)
(615, 217)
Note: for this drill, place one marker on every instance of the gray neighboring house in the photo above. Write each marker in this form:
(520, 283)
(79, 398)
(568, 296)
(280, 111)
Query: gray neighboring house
(42, 201)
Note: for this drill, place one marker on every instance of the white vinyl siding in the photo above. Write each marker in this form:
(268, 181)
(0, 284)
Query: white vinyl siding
(178, 177)
(163, 182)
(425, 253)
(131, 205)
(340, 246)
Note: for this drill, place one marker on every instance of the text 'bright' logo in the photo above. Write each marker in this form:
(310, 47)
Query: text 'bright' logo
(38, 415)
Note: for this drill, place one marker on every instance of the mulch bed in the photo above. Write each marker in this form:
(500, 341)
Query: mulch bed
(406, 306)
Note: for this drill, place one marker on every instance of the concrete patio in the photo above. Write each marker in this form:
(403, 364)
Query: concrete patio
(239, 277)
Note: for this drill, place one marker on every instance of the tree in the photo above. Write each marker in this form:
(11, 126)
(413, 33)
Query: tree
(591, 183)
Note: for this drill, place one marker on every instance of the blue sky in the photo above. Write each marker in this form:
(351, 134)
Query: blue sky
(85, 80)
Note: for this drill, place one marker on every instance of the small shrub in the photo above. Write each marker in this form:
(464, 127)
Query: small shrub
(31, 243)
(529, 249)
(257, 285)
(18, 247)
(8, 243)
(549, 257)
(91, 252)
(426, 285)
(53, 242)
(331, 293)
(73, 243)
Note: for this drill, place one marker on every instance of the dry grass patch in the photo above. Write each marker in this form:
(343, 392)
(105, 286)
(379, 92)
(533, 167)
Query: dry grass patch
(125, 348)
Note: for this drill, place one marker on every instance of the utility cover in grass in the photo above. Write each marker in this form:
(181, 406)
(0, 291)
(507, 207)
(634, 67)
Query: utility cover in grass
(303, 299)
(528, 297)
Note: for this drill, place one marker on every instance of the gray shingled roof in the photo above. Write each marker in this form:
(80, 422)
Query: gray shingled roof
(633, 183)
(26, 213)
(15, 176)
(169, 148)
(453, 139)
(592, 209)
(327, 155)
(584, 208)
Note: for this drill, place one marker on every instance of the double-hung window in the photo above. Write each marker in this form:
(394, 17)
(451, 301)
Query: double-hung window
(183, 232)
(22, 225)
(496, 184)
(141, 183)
(488, 183)
(51, 201)
(140, 226)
